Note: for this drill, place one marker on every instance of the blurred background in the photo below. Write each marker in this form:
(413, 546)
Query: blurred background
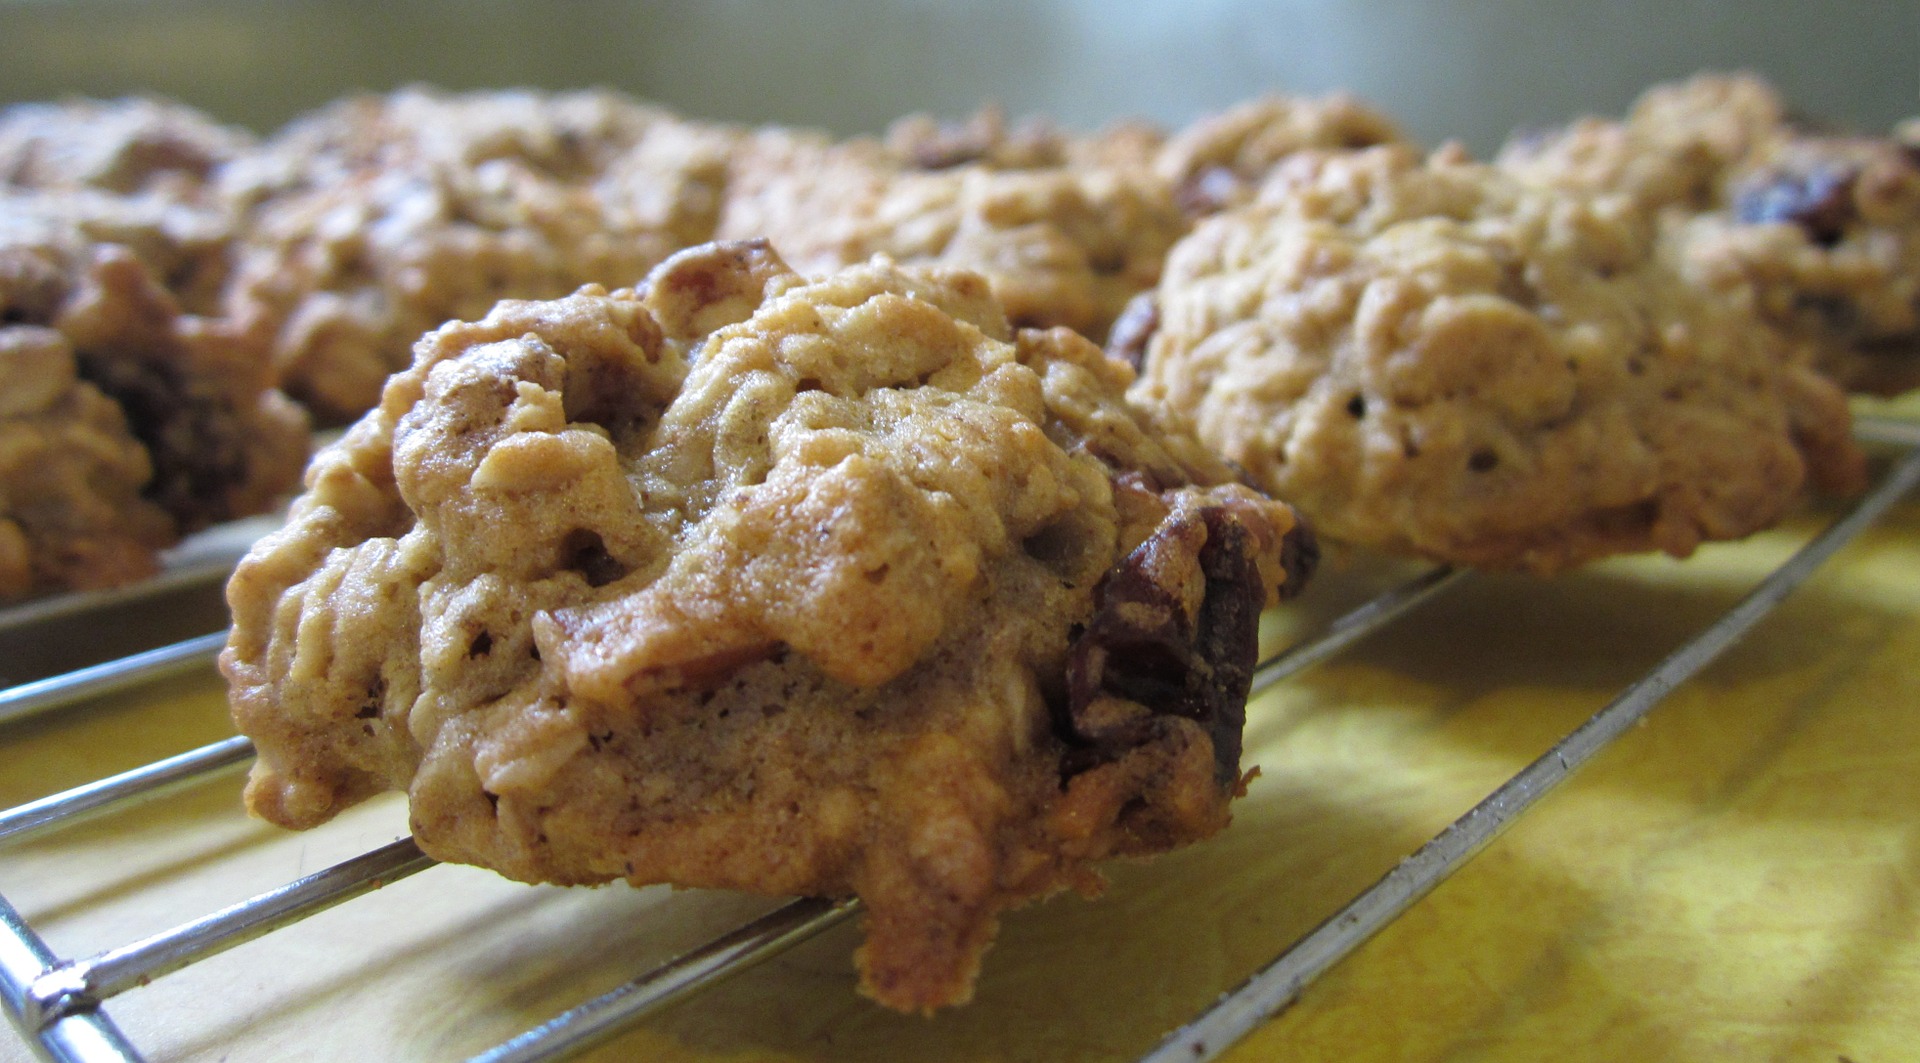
(1469, 70)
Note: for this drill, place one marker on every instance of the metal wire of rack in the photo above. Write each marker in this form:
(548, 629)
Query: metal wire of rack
(58, 1004)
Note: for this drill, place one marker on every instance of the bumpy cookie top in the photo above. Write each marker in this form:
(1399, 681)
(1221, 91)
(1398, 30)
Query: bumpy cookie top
(987, 137)
(1820, 236)
(382, 217)
(563, 136)
(1429, 357)
(1218, 161)
(747, 580)
(1063, 244)
(1673, 150)
(1817, 234)
(131, 419)
(129, 146)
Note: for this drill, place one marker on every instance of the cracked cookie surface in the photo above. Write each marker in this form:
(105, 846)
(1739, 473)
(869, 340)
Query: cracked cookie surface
(821, 586)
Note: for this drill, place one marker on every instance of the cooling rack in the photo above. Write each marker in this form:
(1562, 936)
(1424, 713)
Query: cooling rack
(61, 1005)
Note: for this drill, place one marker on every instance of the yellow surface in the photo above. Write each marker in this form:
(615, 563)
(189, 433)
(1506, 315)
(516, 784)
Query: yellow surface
(1737, 879)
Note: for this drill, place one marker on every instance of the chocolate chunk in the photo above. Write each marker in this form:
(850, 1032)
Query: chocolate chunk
(1227, 636)
(1143, 650)
(1820, 201)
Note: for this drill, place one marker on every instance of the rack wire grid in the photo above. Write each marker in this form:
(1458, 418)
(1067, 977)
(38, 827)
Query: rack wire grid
(59, 1004)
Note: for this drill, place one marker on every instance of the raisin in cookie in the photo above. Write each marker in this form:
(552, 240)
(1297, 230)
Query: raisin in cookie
(1429, 357)
(128, 419)
(828, 586)
(382, 217)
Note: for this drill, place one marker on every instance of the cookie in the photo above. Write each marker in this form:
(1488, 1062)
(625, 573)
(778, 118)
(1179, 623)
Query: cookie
(72, 516)
(132, 146)
(797, 586)
(1430, 357)
(383, 217)
(1821, 237)
(1817, 233)
(1674, 149)
(1064, 244)
(129, 419)
(988, 138)
(1219, 160)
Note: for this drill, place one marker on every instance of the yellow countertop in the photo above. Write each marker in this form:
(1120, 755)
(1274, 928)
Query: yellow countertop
(1739, 878)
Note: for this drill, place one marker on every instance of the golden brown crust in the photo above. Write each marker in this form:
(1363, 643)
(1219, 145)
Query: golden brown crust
(1674, 149)
(766, 583)
(135, 420)
(1429, 357)
(1220, 160)
(1063, 244)
(124, 147)
(1817, 234)
(382, 217)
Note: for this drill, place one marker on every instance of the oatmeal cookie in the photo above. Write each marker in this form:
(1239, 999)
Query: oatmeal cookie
(924, 142)
(1064, 244)
(831, 586)
(564, 136)
(71, 513)
(986, 137)
(1821, 238)
(129, 420)
(1817, 233)
(126, 147)
(383, 217)
(1220, 160)
(1674, 149)
(1429, 357)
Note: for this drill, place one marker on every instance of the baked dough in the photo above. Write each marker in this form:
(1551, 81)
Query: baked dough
(1064, 241)
(1821, 237)
(751, 581)
(1430, 357)
(1220, 160)
(1816, 232)
(132, 146)
(128, 417)
(382, 217)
